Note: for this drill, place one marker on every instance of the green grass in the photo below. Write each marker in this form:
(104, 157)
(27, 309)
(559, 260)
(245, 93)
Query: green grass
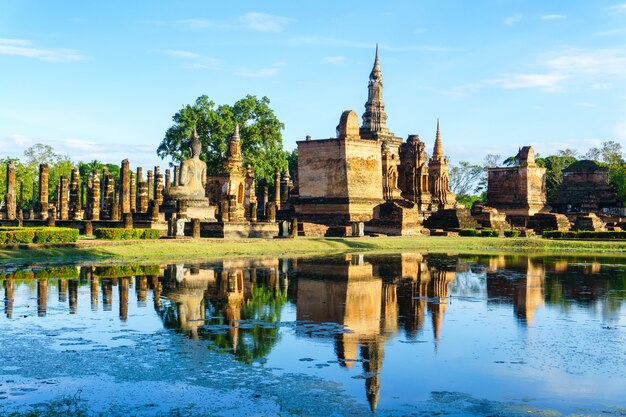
(203, 249)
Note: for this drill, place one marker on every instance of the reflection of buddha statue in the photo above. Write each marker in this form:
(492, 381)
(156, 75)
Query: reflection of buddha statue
(192, 177)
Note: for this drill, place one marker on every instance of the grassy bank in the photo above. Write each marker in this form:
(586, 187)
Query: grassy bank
(204, 249)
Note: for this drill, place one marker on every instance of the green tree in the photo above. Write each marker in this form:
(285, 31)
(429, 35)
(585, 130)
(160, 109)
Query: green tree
(609, 152)
(555, 164)
(292, 161)
(260, 130)
(465, 179)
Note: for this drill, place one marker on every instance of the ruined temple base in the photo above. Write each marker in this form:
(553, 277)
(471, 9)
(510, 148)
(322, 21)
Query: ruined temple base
(193, 209)
(589, 222)
(548, 221)
(451, 219)
(235, 229)
(396, 218)
(489, 217)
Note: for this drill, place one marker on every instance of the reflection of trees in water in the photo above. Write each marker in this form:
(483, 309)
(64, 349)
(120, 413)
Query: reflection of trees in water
(260, 315)
(237, 310)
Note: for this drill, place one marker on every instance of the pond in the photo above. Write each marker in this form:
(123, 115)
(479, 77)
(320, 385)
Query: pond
(404, 334)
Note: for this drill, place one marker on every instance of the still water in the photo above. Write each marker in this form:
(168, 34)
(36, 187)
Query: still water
(405, 334)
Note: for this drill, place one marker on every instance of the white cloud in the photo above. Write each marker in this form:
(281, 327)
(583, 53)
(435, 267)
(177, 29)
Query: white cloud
(194, 23)
(334, 59)
(263, 22)
(545, 82)
(596, 62)
(587, 104)
(620, 8)
(25, 48)
(83, 145)
(553, 17)
(513, 19)
(601, 86)
(194, 60)
(611, 32)
(419, 30)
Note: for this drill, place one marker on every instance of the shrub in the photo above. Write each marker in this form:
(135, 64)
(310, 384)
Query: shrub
(109, 233)
(150, 234)
(16, 235)
(584, 234)
(489, 233)
(55, 235)
(469, 232)
(512, 233)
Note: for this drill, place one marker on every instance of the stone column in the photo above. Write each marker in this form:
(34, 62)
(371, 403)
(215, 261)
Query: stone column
(158, 188)
(133, 193)
(128, 220)
(9, 198)
(277, 188)
(176, 175)
(284, 188)
(109, 194)
(157, 172)
(154, 214)
(253, 210)
(142, 204)
(115, 207)
(271, 211)
(124, 191)
(195, 228)
(63, 201)
(88, 228)
(150, 185)
(168, 181)
(95, 197)
(43, 192)
(75, 207)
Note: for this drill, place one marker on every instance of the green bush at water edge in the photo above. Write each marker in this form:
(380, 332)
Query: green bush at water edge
(16, 235)
(108, 233)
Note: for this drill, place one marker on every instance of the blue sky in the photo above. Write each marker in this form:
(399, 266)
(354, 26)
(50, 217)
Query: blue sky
(101, 80)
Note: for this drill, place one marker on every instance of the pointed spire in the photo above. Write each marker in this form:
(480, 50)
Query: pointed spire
(376, 74)
(194, 135)
(438, 149)
(236, 133)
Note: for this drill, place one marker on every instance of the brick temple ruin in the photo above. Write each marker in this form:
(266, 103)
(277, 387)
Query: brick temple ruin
(366, 180)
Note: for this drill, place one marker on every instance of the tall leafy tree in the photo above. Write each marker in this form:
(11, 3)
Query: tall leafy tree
(260, 130)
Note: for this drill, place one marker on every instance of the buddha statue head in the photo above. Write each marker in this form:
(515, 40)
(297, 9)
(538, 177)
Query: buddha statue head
(195, 145)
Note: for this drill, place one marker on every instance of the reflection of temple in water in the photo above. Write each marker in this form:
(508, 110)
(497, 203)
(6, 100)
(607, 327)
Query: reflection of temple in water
(372, 301)
(522, 280)
(228, 292)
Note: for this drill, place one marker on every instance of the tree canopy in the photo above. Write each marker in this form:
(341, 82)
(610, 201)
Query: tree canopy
(260, 130)
(27, 170)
